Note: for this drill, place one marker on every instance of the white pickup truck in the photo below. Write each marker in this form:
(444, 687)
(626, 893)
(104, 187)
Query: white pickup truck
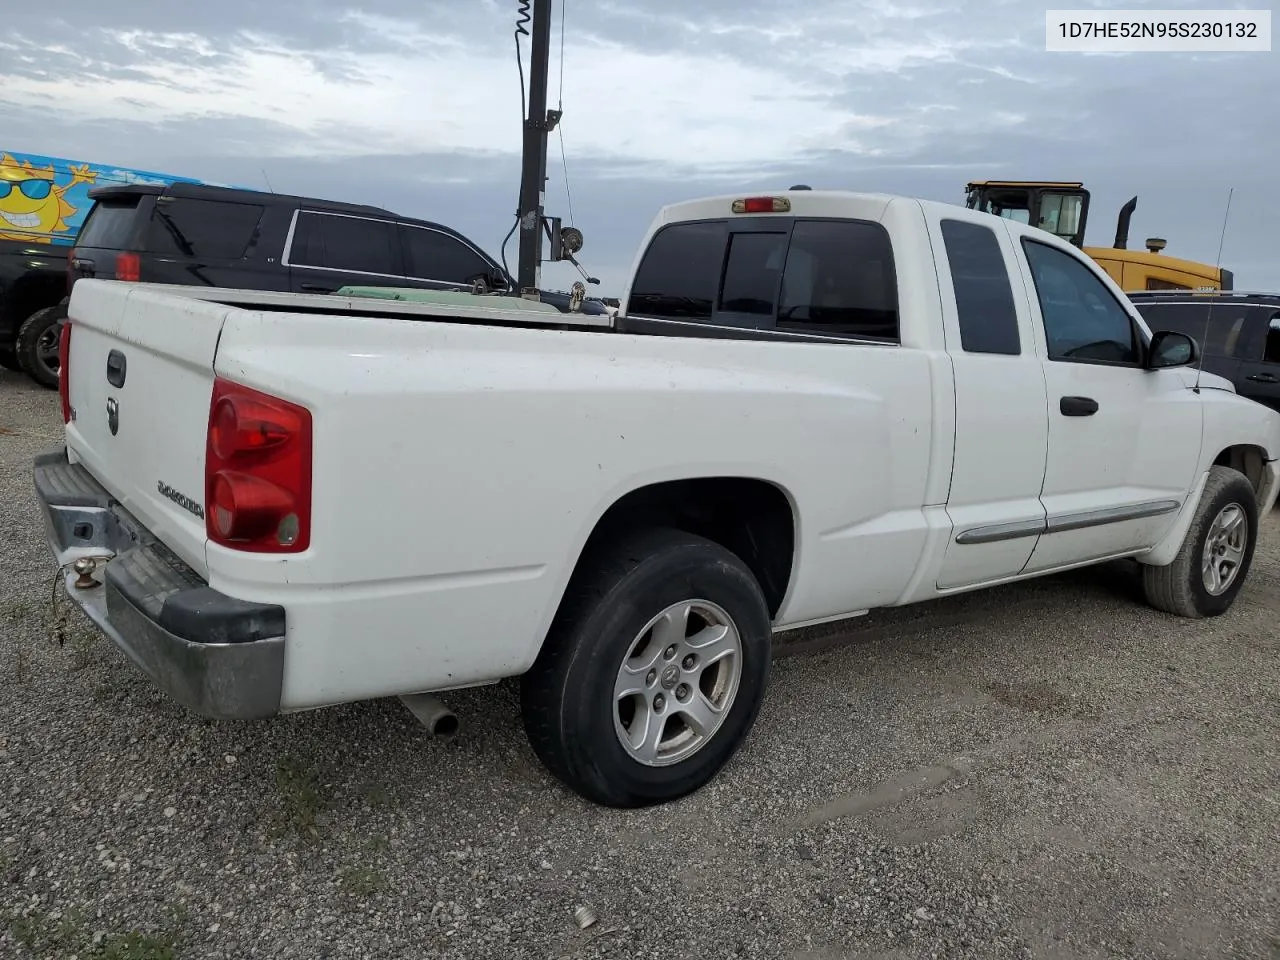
(810, 404)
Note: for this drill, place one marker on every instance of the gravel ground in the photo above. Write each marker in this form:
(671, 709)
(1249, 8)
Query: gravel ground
(1048, 770)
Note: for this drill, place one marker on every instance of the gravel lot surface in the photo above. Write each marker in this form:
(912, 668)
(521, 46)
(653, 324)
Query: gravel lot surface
(1049, 770)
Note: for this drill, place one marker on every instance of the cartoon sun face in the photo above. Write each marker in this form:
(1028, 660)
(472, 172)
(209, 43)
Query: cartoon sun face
(32, 205)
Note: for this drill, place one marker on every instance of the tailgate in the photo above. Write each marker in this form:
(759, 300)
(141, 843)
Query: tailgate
(141, 377)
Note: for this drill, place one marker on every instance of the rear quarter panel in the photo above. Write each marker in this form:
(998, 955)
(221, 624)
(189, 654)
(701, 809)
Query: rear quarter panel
(460, 469)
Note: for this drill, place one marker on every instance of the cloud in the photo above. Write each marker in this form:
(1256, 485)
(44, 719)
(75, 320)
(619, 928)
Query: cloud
(414, 105)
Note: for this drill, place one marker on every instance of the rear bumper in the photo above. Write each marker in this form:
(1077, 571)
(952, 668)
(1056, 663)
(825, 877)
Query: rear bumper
(218, 656)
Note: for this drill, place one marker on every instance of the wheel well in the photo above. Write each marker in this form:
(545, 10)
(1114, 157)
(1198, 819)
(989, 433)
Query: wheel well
(752, 518)
(32, 293)
(1247, 459)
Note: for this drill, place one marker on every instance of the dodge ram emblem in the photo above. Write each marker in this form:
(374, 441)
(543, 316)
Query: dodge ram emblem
(113, 415)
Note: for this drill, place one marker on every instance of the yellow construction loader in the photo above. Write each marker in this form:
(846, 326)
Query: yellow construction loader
(1063, 208)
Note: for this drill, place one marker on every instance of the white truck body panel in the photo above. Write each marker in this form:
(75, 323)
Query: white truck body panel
(459, 467)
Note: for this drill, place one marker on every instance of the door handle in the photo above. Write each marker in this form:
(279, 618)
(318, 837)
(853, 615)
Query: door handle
(1078, 406)
(116, 368)
(318, 288)
(1262, 378)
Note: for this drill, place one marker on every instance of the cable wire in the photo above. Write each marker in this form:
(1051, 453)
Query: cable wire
(564, 161)
(523, 17)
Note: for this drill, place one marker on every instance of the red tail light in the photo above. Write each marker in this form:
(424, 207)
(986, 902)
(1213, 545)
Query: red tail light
(128, 267)
(257, 471)
(64, 369)
(762, 205)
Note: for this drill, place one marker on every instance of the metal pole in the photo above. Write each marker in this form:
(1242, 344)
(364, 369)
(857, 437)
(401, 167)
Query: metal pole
(533, 174)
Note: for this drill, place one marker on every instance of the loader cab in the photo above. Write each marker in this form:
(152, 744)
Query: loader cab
(1059, 208)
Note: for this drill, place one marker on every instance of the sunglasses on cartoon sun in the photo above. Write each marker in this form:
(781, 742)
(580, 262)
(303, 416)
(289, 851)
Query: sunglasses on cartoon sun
(31, 189)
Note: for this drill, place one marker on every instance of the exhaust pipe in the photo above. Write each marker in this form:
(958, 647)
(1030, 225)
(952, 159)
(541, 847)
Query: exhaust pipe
(439, 720)
(1122, 224)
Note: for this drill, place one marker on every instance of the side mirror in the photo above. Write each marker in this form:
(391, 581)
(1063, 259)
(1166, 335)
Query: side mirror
(1171, 349)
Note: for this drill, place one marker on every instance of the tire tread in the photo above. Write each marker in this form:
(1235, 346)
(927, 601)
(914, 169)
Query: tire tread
(546, 687)
(1170, 588)
(25, 346)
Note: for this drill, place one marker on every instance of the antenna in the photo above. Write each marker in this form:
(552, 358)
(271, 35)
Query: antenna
(270, 189)
(1208, 310)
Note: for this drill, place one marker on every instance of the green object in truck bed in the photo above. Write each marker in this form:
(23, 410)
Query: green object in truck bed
(448, 298)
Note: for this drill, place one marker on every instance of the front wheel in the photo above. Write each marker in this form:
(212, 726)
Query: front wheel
(37, 345)
(1210, 568)
(653, 672)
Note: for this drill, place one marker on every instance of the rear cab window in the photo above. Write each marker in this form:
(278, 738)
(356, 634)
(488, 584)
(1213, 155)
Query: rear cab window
(679, 278)
(182, 227)
(803, 277)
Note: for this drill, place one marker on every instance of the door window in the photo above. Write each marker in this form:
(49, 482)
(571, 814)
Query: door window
(1083, 321)
(1272, 352)
(355, 244)
(1216, 328)
(433, 255)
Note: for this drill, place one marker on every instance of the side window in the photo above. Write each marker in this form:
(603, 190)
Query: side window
(432, 255)
(204, 229)
(984, 298)
(840, 280)
(680, 271)
(345, 243)
(751, 272)
(1225, 324)
(1155, 283)
(1272, 352)
(1082, 320)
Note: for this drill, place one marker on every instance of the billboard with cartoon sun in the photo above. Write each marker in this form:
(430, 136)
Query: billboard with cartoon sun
(45, 199)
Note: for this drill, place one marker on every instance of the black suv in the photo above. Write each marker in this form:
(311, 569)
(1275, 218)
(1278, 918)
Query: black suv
(1238, 333)
(225, 237)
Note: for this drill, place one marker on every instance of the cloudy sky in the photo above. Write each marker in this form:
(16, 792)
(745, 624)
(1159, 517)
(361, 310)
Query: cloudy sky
(415, 105)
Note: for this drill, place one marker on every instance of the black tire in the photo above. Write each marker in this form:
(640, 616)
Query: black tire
(567, 696)
(9, 359)
(32, 346)
(1180, 588)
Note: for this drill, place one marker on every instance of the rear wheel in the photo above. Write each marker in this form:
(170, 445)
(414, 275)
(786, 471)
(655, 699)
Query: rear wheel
(1210, 568)
(37, 345)
(653, 672)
